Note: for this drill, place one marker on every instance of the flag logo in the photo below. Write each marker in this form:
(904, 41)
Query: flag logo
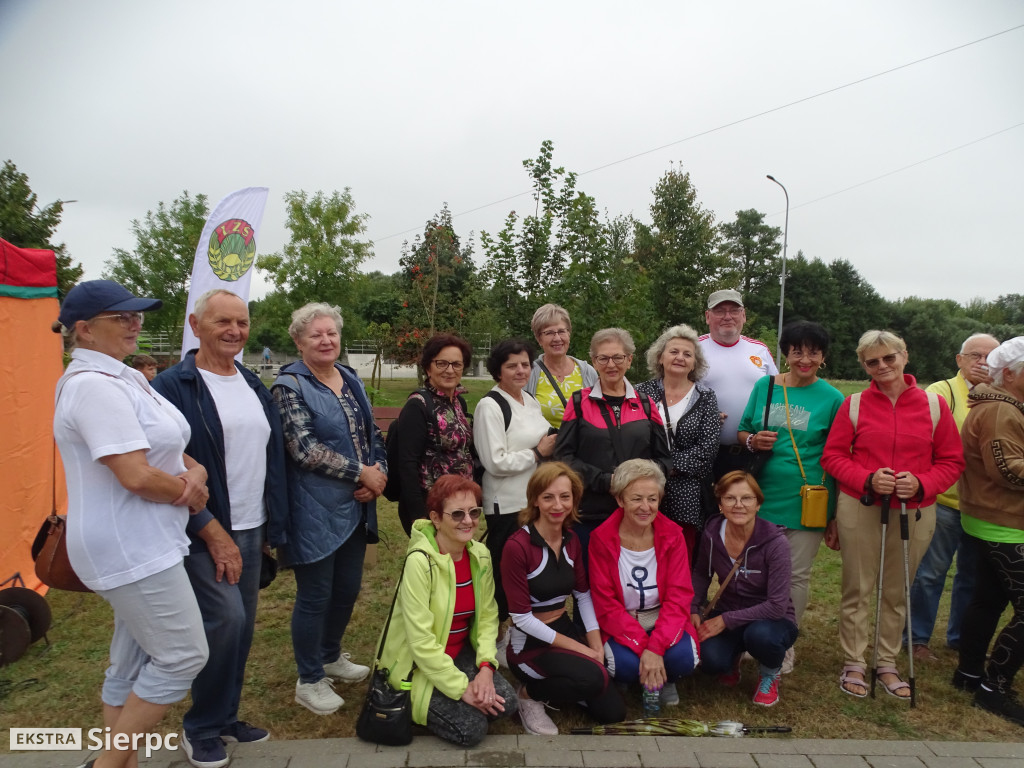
(232, 249)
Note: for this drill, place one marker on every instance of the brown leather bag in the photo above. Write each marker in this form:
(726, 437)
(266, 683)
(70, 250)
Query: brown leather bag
(51, 555)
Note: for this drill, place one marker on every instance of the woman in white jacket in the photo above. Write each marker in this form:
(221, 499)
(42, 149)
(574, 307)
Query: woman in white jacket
(511, 437)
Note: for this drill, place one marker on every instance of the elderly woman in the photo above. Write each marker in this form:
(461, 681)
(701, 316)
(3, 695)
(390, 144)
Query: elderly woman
(753, 611)
(337, 468)
(892, 441)
(131, 489)
(554, 661)
(445, 621)
(992, 514)
(640, 584)
(556, 374)
(511, 438)
(434, 424)
(801, 413)
(692, 425)
(605, 425)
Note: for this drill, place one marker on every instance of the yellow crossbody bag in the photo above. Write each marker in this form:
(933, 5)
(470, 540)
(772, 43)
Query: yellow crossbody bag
(813, 498)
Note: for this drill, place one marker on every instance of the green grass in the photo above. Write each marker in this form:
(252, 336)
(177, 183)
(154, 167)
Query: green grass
(58, 685)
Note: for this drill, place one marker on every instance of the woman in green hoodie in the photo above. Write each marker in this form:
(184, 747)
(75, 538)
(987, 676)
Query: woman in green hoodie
(446, 621)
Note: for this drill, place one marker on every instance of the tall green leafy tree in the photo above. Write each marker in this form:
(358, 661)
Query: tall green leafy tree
(679, 250)
(27, 225)
(160, 265)
(321, 260)
(751, 249)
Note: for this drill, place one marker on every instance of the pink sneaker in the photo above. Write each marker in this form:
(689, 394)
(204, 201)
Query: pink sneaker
(767, 694)
(731, 678)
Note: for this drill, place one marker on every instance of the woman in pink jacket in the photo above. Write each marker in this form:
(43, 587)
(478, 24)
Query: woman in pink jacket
(640, 584)
(891, 440)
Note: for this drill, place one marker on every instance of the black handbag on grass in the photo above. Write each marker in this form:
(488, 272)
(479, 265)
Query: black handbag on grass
(386, 717)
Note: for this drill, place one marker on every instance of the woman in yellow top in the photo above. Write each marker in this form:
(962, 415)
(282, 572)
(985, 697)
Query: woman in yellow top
(556, 374)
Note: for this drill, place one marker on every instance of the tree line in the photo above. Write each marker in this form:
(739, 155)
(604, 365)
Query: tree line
(606, 270)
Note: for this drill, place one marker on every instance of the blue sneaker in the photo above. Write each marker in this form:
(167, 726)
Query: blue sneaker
(205, 753)
(244, 733)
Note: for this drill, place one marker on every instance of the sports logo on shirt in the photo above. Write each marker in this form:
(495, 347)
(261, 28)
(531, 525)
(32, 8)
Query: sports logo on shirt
(757, 361)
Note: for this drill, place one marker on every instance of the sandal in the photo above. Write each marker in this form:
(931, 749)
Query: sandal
(845, 679)
(897, 685)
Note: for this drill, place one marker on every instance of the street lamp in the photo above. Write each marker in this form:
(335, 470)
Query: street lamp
(782, 280)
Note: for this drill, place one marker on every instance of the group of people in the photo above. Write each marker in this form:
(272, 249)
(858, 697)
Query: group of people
(631, 499)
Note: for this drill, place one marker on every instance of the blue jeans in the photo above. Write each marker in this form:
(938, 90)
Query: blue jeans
(766, 640)
(680, 660)
(229, 617)
(325, 593)
(948, 539)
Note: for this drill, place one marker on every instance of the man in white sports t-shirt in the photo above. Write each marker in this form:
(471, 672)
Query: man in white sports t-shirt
(735, 363)
(237, 436)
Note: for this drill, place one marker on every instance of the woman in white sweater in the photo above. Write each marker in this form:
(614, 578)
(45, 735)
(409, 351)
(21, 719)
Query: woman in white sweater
(511, 437)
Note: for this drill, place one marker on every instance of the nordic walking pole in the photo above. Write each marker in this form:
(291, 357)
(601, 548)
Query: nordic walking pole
(886, 502)
(905, 535)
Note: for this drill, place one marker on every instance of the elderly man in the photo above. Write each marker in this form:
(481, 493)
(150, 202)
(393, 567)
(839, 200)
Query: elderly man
(992, 515)
(237, 436)
(949, 537)
(735, 363)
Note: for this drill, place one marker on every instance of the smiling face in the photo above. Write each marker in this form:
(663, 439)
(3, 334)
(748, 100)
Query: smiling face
(515, 372)
(884, 364)
(554, 340)
(319, 342)
(678, 359)
(223, 328)
(611, 371)
(555, 502)
(804, 364)
(453, 535)
(445, 371)
(725, 322)
(640, 501)
(739, 504)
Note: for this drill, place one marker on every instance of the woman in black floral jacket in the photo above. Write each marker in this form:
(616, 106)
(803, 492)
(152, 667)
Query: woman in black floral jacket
(690, 413)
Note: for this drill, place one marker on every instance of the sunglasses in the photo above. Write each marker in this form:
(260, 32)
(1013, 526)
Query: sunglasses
(458, 515)
(889, 360)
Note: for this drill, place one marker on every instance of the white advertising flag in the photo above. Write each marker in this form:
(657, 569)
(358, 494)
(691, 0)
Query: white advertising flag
(226, 251)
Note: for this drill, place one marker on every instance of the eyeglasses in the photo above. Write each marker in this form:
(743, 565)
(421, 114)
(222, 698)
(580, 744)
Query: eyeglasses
(126, 319)
(889, 359)
(974, 355)
(725, 311)
(801, 354)
(556, 332)
(606, 359)
(443, 365)
(739, 501)
(458, 515)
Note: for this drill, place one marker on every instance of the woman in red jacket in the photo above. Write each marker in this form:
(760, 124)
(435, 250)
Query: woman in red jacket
(640, 584)
(891, 440)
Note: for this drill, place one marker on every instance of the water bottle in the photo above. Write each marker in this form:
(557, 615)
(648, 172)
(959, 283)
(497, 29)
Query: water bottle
(652, 702)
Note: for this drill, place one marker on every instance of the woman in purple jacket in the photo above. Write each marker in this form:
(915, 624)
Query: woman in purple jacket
(753, 611)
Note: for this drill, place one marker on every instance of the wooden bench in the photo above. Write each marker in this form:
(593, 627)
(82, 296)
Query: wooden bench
(385, 415)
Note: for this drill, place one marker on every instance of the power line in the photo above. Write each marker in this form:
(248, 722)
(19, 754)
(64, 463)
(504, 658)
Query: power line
(748, 119)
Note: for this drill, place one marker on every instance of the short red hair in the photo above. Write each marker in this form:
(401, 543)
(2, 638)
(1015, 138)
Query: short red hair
(446, 487)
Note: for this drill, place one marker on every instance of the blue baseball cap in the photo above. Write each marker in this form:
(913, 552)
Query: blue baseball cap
(88, 299)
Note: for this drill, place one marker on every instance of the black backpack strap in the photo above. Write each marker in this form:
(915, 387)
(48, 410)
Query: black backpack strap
(554, 383)
(506, 409)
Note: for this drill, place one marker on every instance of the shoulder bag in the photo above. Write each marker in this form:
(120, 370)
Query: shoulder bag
(813, 498)
(760, 458)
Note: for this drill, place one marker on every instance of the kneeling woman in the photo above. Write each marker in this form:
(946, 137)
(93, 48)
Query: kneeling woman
(541, 565)
(640, 581)
(446, 621)
(753, 611)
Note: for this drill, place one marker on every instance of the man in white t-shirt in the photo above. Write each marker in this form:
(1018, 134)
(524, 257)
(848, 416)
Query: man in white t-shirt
(237, 436)
(735, 363)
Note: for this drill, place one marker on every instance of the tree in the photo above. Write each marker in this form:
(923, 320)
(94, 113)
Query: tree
(24, 224)
(679, 250)
(321, 261)
(161, 263)
(751, 249)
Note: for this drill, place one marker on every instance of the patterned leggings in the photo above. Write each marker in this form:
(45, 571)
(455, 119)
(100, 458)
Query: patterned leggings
(999, 579)
(456, 721)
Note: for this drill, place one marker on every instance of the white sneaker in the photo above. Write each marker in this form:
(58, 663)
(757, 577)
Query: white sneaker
(319, 697)
(788, 661)
(345, 670)
(668, 695)
(535, 720)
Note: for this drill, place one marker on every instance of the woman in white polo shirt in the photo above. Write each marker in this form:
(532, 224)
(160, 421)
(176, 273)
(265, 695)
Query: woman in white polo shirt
(130, 489)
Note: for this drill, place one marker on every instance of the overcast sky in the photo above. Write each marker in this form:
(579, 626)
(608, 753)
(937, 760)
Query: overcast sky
(119, 105)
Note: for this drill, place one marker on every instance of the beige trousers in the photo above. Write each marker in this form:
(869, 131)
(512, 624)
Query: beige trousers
(860, 539)
(803, 548)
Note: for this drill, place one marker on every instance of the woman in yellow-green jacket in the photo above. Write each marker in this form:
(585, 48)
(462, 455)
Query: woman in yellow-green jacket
(446, 621)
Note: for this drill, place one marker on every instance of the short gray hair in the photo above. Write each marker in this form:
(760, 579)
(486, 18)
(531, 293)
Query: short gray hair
(631, 470)
(657, 349)
(547, 315)
(974, 336)
(886, 339)
(1014, 368)
(203, 300)
(612, 334)
(305, 315)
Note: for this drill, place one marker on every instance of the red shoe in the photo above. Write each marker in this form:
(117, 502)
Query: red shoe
(731, 678)
(767, 694)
